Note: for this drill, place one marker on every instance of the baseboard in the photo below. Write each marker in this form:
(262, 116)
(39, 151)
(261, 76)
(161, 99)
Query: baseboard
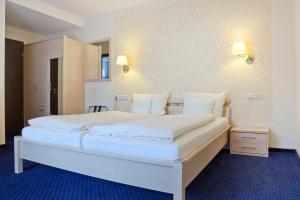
(282, 150)
(227, 148)
(298, 152)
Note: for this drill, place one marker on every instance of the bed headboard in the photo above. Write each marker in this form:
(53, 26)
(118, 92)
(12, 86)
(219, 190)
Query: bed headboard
(175, 106)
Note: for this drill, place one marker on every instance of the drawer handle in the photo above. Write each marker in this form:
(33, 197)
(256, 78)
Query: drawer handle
(252, 138)
(252, 148)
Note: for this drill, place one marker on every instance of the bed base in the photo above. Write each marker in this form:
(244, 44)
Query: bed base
(160, 175)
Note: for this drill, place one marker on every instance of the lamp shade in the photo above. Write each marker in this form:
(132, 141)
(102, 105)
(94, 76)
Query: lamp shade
(122, 60)
(239, 48)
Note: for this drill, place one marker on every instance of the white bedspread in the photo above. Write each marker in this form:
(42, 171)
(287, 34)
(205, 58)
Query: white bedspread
(164, 128)
(75, 123)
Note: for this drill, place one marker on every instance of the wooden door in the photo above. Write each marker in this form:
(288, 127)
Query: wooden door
(14, 120)
(54, 86)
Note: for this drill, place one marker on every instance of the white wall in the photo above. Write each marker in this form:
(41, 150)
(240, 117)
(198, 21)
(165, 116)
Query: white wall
(23, 35)
(297, 31)
(284, 70)
(164, 56)
(99, 93)
(99, 28)
(2, 72)
(96, 29)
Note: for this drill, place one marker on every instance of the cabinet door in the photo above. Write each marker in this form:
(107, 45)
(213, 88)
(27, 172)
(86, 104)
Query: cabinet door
(92, 62)
(37, 58)
(73, 79)
(36, 80)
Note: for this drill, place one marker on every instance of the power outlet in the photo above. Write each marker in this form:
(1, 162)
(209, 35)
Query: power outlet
(122, 97)
(255, 95)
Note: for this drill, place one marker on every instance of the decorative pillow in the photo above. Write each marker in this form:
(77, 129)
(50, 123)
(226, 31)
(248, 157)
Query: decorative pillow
(218, 100)
(159, 103)
(141, 103)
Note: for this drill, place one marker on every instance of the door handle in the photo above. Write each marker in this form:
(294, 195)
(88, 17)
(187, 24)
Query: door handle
(252, 148)
(54, 91)
(253, 138)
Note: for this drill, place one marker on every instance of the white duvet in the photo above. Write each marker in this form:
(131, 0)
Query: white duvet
(164, 128)
(75, 123)
(65, 138)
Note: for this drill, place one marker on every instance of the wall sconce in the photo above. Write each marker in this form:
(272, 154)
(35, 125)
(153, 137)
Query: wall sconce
(239, 49)
(122, 61)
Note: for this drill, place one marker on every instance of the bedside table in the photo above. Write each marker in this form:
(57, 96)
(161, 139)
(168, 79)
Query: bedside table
(249, 141)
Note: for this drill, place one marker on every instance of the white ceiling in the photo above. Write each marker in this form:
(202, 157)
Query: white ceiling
(90, 8)
(33, 21)
(49, 17)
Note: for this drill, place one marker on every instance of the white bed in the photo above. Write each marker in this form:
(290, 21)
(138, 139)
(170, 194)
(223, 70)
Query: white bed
(180, 148)
(170, 172)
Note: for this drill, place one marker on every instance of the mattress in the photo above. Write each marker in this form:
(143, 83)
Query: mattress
(178, 149)
(70, 139)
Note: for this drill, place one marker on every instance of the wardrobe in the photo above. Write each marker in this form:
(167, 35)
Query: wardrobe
(53, 78)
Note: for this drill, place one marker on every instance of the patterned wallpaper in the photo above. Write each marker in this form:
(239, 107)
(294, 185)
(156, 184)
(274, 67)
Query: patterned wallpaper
(186, 46)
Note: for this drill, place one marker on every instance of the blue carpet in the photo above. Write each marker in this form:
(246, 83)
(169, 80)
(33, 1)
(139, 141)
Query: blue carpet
(227, 177)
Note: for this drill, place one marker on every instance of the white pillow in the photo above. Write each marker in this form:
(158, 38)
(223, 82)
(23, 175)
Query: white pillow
(159, 103)
(196, 105)
(154, 104)
(218, 100)
(141, 103)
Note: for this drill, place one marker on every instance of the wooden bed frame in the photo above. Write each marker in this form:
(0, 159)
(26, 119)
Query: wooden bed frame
(160, 175)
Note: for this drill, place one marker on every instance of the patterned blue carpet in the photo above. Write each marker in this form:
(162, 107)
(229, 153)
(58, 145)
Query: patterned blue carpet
(227, 177)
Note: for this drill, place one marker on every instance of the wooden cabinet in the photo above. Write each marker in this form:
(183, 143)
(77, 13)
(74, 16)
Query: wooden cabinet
(97, 61)
(92, 62)
(249, 141)
(73, 80)
(37, 58)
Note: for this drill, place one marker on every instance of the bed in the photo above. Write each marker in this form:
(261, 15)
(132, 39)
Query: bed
(170, 173)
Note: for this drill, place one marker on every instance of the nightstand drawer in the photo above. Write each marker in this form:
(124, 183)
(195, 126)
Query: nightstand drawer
(250, 148)
(248, 138)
